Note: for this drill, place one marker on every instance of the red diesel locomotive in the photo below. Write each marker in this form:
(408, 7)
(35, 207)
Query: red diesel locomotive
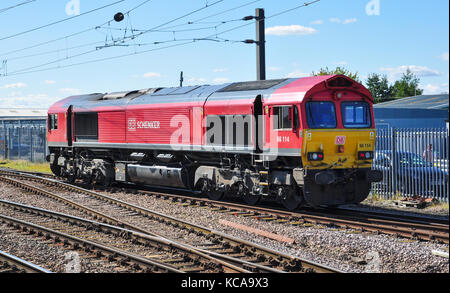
(297, 141)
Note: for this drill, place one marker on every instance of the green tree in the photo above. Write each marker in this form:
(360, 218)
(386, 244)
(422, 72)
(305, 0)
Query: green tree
(379, 86)
(338, 70)
(407, 86)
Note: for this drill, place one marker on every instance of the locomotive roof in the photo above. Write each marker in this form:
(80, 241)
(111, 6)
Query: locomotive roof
(295, 88)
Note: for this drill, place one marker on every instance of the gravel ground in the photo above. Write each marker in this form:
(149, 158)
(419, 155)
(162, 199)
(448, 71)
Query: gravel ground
(343, 249)
(346, 250)
(50, 256)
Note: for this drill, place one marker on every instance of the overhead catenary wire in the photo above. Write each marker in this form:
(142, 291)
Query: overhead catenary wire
(55, 51)
(70, 35)
(60, 21)
(132, 37)
(209, 38)
(16, 5)
(108, 22)
(96, 49)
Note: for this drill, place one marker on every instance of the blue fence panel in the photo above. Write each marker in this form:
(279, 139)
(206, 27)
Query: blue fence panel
(414, 163)
(27, 142)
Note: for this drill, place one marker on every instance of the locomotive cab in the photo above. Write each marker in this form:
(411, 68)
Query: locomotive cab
(339, 143)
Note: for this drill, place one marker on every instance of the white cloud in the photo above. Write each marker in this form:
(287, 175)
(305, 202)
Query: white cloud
(419, 71)
(274, 68)
(290, 30)
(220, 70)
(221, 80)
(444, 56)
(345, 21)
(432, 89)
(349, 20)
(194, 80)
(14, 86)
(316, 22)
(49, 81)
(297, 73)
(70, 91)
(40, 101)
(152, 74)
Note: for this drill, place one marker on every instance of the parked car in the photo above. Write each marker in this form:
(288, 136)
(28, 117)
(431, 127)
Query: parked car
(410, 174)
(441, 163)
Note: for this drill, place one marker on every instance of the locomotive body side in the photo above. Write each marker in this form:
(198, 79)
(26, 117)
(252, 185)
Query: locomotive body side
(270, 139)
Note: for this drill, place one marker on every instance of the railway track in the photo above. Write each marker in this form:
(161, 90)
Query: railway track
(217, 245)
(12, 264)
(379, 223)
(140, 252)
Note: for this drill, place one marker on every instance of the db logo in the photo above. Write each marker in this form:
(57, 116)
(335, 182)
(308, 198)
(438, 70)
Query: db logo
(132, 124)
(340, 140)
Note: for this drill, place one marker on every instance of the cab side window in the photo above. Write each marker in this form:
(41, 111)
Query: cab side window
(282, 118)
(53, 122)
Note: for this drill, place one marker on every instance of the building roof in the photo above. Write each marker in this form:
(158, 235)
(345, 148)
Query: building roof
(22, 113)
(430, 102)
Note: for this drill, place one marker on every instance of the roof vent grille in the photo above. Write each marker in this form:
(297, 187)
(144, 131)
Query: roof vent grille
(340, 82)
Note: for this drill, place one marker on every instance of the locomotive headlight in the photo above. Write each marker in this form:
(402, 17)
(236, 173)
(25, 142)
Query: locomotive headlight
(365, 155)
(315, 156)
(338, 96)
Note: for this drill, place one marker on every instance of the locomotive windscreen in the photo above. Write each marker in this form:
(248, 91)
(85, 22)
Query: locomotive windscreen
(86, 126)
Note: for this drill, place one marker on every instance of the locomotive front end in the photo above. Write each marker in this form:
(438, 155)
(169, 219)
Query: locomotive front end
(339, 145)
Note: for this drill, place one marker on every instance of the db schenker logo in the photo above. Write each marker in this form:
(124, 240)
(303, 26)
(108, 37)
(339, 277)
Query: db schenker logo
(132, 124)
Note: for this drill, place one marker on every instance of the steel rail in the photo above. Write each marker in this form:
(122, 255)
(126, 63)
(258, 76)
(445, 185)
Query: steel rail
(418, 228)
(268, 256)
(112, 222)
(135, 237)
(77, 242)
(11, 263)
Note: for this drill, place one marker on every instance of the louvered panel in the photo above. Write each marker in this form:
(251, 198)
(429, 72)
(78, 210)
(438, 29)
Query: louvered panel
(153, 126)
(112, 127)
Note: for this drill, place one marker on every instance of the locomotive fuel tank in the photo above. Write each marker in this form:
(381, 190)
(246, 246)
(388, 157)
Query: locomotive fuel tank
(158, 175)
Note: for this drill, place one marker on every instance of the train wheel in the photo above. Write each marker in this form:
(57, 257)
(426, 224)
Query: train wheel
(216, 194)
(56, 170)
(208, 189)
(72, 178)
(292, 200)
(88, 180)
(251, 199)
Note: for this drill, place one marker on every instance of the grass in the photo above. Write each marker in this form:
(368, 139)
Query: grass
(434, 206)
(438, 207)
(26, 166)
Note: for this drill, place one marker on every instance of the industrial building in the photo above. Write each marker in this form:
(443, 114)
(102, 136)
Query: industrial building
(23, 134)
(19, 117)
(426, 111)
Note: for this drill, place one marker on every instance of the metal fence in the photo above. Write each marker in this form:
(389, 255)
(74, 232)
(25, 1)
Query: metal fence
(414, 163)
(26, 142)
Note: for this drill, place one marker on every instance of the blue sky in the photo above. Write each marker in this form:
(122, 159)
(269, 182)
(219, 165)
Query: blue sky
(404, 34)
